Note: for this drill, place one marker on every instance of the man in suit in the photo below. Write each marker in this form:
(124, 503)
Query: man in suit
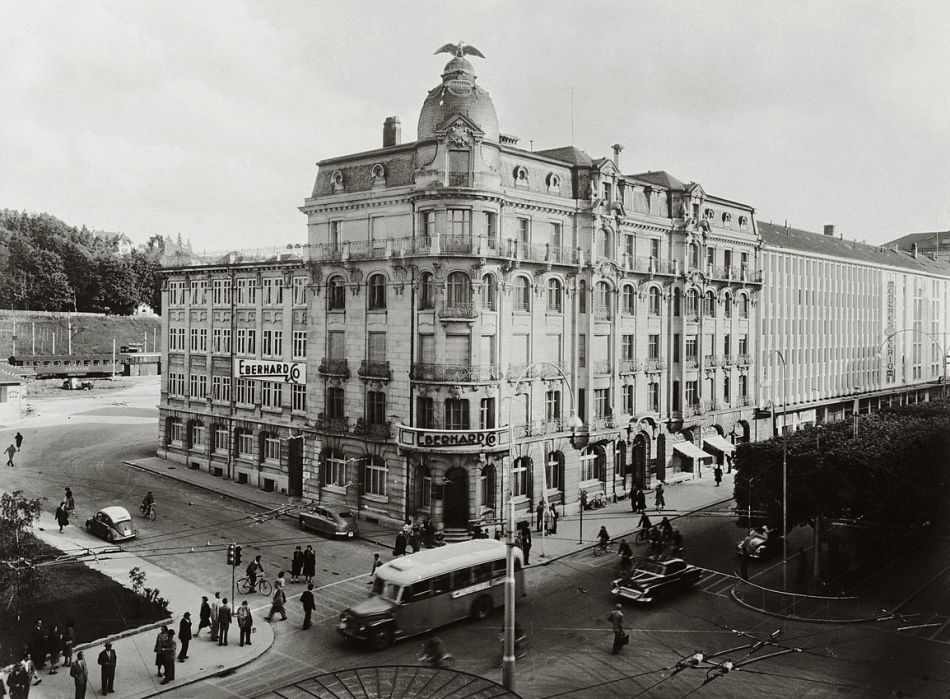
(80, 675)
(184, 636)
(224, 622)
(306, 599)
(107, 661)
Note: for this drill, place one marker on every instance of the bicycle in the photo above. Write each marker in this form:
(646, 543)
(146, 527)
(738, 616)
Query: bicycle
(148, 513)
(642, 537)
(244, 586)
(602, 547)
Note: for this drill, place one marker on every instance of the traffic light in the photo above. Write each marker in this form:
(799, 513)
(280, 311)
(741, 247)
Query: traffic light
(237, 556)
(230, 554)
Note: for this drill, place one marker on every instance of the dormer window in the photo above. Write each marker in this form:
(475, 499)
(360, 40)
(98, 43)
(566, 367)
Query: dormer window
(726, 218)
(336, 181)
(379, 174)
(554, 182)
(459, 168)
(743, 222)
(709, 213)
(521, 176)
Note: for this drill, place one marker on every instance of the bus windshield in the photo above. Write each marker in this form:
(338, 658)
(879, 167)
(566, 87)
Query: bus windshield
(386, 589)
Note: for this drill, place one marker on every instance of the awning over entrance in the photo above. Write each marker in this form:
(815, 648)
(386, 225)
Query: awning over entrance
(720, 444)
(691, 450)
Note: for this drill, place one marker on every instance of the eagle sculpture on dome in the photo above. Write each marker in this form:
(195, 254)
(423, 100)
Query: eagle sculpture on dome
(459, 50)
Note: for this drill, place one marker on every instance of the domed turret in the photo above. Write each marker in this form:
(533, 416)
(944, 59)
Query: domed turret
(458, 94)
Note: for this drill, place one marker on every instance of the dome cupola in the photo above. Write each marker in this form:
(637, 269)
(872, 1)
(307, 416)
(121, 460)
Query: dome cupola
(458, 94)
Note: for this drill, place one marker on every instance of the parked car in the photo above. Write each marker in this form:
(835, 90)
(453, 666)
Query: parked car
(760, 545)
(112, 524)
(329, 521)
(651, 580)
(74, 384)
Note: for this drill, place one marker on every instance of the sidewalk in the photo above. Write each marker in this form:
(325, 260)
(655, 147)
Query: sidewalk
(135, 673)
(681, 498)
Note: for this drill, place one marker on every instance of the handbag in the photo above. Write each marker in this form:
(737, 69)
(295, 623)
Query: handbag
(626, 639)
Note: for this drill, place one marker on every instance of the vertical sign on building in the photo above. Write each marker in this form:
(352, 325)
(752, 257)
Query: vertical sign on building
(889, 349)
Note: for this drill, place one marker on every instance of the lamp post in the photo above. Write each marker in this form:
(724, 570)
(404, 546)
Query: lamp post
(941, 347)
(508, 658)
(781, 356)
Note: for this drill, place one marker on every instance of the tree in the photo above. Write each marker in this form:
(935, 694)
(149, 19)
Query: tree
(17, 513)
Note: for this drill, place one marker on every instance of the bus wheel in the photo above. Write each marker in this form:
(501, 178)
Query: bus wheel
(381, 639)
(482, 608)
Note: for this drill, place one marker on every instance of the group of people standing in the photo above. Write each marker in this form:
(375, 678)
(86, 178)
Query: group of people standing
(415, 536)
(303, 565)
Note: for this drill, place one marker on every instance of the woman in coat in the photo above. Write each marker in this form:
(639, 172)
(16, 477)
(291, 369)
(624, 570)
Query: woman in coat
(159, 645)
(54, 645)
(296, 565)
(62, 516)
(69, 640)
(309, 564)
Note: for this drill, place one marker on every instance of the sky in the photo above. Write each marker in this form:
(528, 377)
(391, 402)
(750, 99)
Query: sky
(207, 118)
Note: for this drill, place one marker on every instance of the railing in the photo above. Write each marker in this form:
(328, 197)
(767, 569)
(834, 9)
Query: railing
(691, 362)
(184, 257)
(654, 365)
(516, 370)
(546, 371)
(728, 360)
(799, 606)
(459, 179)
(744, 360)
(602, 366)
(745, 401)
(459, 311)
(331, 424)
(605, 422)
(375, 370)
(694, 409)
(464, 244)
(710, 405)
(334, 367)
(454, 373)
(711, 360)
(373, 430)
(630, 366)
(601, 313)
(691, 316)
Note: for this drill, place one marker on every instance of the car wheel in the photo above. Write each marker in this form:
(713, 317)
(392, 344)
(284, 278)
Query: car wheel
(381, 639)
(482, 608)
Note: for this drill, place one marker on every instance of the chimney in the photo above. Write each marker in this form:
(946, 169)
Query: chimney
(830, 229)
(617, 148)
(913, 250)
(392, 132)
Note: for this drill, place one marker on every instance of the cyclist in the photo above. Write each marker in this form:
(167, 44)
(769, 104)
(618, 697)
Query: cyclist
(433, 653)
(147, 502)
(676, 542)
(666, 529)
(254, 568)
(604, 538)
(626, 557)
(645, 525)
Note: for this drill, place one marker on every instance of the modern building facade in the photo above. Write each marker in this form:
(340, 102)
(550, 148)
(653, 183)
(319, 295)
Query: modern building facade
(471, 320)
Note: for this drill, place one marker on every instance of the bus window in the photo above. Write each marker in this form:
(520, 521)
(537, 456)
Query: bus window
(440, 583)
(385, 589)
(499, 568)
(420, 590)
(483, 572)
(461, 578)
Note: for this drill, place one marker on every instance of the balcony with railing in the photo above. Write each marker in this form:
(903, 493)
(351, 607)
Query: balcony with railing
(602, 313)
(375, 370)
(458, 244)
(691, 362)
(711, 360)
(630, 366)
(728, 360)
(602, 367)
(539, 428)
(529, 371)
(372, 430)
(454, 373)
(549, 370)
(745, 401)
(603, 422)
(654, 365)
(691, 316)
(693, 409)
(744, 360)
(334, 367)
(325, 423)
(710, 405)
(459, 179)
(458, 311)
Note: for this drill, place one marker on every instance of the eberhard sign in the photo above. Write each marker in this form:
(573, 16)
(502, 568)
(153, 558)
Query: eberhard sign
(457, 439)
(264, 370)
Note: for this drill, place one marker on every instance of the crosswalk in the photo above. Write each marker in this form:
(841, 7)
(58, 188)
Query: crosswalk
(330, 599)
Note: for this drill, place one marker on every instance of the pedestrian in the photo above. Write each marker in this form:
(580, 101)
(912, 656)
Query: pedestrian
(306, 599)
(10, 451)
(400, 547)
(526, 541)
(626, 557)
(245, 623)
(169, 646)
(717, 474)
(666, 529)
(376, 564)
(277, 603)
(69, 640)
(54, 644)
(62, 516)
(157, 649)
(184, 635)
(801, 569)
(80, 675)
(660, 500)
(616, 622)
(546, 516)
(30, 668)
(70, 502)
(107, 663)
(415, 538)
(641, 500)
(645, 524)
(215, 605)
(18, 681)
(296, 565)
(204, 616)
(539, 511)
(18, 438)
(38, 645)
(224, 622)
(309, 564)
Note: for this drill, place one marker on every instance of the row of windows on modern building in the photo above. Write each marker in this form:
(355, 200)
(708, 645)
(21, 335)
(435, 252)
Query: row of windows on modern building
(271, 345)
(243, 292)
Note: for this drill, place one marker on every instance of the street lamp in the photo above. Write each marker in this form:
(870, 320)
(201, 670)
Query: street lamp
(781, 356)
(576, 425)
(941, 347)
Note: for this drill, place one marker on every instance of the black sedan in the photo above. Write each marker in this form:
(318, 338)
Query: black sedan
(112, 524)
(328, 521)
(651, 580)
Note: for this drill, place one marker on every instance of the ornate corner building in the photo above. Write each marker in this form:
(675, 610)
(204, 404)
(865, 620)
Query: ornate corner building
(461, 307)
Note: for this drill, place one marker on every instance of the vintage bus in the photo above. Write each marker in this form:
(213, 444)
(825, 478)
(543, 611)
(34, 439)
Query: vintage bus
(425, 590)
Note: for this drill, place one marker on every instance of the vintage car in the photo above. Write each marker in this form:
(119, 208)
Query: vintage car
(759, 545)
(112, 524)
(329, 521)
(651, 580)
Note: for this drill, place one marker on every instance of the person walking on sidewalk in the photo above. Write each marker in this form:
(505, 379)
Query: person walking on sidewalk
(107, 663)
(278, 601)
(309, 564)
(399, 547)
(184, 635)
(38, 645)
(640, 500)
(169, 646)
(157, 649)
(616, 622)
(539, 511)
(296, 565)
(245, 623)
(70, 502)
(215, 606)
(204, 617)
(54, 644)
(10, 451)
(717, 474)
(19, 440)
(553, 510)
(660, 499)
(62, 516)
(306, 599)
(69, 640)
(526, 541)
(80, 675)
(224, 622)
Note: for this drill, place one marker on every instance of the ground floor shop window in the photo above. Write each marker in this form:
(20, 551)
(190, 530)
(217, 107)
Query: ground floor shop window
(245, 443)
(374, 476)
(334, 469)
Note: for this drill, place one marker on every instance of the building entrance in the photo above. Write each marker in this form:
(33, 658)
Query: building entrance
(295, 467)
(456, 512)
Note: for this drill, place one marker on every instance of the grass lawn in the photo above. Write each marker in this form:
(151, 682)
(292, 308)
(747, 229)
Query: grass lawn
(98, 605)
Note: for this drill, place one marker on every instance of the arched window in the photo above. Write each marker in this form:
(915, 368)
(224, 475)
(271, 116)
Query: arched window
(426, 291)
(520, 474)
(489, 293)
(522, 294)
(334, 467)
(593, 468)
(336, 294)
(582, 297)
(629, 300)
(374, 476)
(602, 299)
(555, 296)
(554, 470)
(727, 306)
(692, 303)
(376, 291)
(709, 305)
(677, 302)
(654, 297)
(744, 306)
(459, 290)
(487, 482)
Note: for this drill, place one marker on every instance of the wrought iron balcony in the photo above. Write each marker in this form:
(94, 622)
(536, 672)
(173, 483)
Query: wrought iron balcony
(694, 409)
(630, 366)
(601, 314)
(373, 430)
(458, 311)
(515, 371)
(547, 371)
(324, 423)
(459, 179)
(654, 365)
(602, 366)
(604, 422)
(375, 370)
(745, 401)
(728, 360)
(455, 373)
(711, 360)
(334, 367)
(744, 360)
(691, 362)
(691, 316)
(459, 244)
